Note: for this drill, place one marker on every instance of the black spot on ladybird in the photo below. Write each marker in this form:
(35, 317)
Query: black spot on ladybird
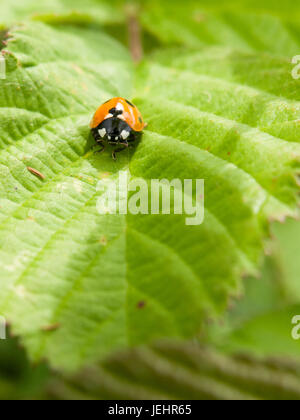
(115, 112)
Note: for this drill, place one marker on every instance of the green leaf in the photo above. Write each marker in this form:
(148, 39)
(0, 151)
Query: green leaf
(165, 370)
(286, 249)
(261, 323)
(70, 11)
(19, 379)
(76, 285)
(186, 371)
(247, 25)
(55, 81)
(244, 24)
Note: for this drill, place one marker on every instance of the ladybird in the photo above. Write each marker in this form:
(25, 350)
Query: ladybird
(117, 122)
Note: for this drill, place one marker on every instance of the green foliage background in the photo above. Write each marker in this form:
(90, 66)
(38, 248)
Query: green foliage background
(216, 89)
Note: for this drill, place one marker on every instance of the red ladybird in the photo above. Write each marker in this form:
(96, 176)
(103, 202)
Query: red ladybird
(117, 122)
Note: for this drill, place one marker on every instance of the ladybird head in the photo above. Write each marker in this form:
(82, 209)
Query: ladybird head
(114, 130)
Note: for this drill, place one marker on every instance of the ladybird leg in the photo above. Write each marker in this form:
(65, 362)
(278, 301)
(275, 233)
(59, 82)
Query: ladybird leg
(101, 150)
(120, 149)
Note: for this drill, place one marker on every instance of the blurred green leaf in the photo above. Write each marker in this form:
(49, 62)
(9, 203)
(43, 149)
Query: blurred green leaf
(268, 26)
(186, 371)
(55, 11)
(261, 323)
(18, 378)
(166, 370)
(286, 248)
(250, 25)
